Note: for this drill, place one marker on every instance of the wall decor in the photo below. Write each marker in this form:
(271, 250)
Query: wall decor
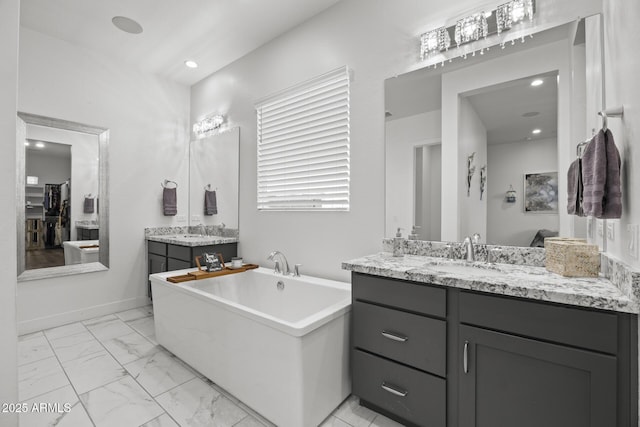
(471, 169)
(541, 192)
(483, 179)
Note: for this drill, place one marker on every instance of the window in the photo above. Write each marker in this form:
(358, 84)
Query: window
(303, 146)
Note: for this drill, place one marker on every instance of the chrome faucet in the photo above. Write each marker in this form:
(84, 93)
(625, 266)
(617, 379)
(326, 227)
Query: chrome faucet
(285, 264)
(469, 246)
(203, 230)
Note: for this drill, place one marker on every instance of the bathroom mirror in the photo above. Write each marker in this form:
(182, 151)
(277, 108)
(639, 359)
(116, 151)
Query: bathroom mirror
(214, 175)
(481, 112)
(63, 208)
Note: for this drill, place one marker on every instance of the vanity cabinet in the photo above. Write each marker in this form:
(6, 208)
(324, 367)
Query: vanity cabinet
(431, 356)
(87, 233)
(168, 257)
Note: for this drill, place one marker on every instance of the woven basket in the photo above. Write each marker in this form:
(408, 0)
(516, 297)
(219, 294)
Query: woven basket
(571, 257)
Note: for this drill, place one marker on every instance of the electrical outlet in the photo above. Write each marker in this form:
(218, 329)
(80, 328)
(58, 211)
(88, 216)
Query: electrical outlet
(590, 228)
(600, 228)
(611, 234)
(195, 218)
(634, 238)
(181, 219)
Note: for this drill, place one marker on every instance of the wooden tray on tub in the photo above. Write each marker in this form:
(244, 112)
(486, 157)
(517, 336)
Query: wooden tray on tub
(201, 274)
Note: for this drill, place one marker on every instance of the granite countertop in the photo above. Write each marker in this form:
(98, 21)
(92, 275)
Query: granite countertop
(88, 226)
(192, 239)
(504, 279)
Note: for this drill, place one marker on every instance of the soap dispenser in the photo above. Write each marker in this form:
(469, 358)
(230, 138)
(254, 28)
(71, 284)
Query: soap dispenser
(414, 233)
(398, 243)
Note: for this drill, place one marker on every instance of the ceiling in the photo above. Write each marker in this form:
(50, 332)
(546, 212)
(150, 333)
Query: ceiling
(214, 33)
(503, 109)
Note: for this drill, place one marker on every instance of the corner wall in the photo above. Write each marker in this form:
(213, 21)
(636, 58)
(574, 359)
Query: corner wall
(9, 21)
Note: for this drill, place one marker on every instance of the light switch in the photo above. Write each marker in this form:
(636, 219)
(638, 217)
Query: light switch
(634, 237)
(181, 219)
(611, 234)
(600, 228)
(195, 218)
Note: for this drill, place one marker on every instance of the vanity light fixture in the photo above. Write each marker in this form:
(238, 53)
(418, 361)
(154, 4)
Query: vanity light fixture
(191, 64)
(536, 131)
(473, 28)
(537, 82)
(208, 124)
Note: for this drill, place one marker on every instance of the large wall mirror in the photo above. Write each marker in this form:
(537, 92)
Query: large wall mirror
(63, 208)
(214, 182)
(514, 117)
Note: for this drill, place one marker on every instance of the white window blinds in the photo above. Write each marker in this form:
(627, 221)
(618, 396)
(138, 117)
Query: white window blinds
(303, 146)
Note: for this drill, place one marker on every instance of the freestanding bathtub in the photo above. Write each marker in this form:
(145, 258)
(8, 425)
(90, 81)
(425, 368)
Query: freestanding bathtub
(278, 343)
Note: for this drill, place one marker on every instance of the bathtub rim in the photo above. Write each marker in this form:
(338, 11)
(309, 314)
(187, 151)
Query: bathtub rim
(296, 329)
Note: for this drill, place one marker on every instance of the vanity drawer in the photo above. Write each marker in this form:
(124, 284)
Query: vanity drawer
(408, 393)
(595, 330)
(180, 252)
(157, 248)
(407, 338)
(418, 298)
(177, 264)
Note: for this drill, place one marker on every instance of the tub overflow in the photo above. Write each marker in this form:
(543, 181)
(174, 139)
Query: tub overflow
(280, 285)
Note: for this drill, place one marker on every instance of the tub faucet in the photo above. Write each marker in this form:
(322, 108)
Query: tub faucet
(285, 264)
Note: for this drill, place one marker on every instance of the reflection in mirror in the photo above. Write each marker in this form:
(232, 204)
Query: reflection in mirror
(214, 183)
(62, 218)
(492, 111)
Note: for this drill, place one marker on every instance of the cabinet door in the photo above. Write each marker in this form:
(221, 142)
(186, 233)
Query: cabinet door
(513, 381)
(157, 264)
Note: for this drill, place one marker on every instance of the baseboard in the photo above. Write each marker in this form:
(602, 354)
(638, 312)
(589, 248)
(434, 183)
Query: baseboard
(47, 322)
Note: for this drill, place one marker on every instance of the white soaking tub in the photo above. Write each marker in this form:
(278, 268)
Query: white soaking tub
(75, 254)
(283, 351)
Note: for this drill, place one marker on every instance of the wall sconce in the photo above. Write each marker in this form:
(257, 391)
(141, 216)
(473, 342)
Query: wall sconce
(474, 27)
(208, 124)
(511, 195)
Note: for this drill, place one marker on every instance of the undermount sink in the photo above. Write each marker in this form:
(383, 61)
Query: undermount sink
(465, 269)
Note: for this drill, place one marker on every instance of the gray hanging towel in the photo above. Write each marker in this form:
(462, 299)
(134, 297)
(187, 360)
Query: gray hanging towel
(575, 188)
(601, 177)
(210, 203)
(88, 205)
(170, 201)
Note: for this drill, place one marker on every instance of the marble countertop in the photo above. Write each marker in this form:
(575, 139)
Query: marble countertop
(88, 226)
(504, 279)
(192, 239)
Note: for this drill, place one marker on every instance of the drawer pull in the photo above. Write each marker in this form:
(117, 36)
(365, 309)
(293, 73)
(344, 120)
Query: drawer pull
(394, 337)
(465, 358)
(393, 390)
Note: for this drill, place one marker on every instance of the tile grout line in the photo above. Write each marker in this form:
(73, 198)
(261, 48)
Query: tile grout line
(69, 379)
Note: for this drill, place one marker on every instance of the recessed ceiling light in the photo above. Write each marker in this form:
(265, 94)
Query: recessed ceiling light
(537, 82)
(536, 131)
(40, 144)
(531, 114)
(191, 64)
(127, 25)
(26, 143)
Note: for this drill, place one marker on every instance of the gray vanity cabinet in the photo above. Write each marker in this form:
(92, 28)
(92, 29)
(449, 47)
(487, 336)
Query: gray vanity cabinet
(432, 356)
(169, 257)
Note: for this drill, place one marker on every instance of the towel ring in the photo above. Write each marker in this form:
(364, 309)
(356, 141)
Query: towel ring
(166, 182)
(604, 120)
(208, 187)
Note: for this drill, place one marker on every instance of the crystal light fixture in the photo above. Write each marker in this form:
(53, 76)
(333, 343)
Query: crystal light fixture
(434, 41)
(471, 28)
(512, 13)
(208, 124)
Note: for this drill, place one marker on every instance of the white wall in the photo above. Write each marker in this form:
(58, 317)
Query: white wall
(49, 169)
(472, 139)
(84, 168)
(9, 21)
(402, 136)
(428, 192)
(507, 163)
(622, 87)
(148, 121)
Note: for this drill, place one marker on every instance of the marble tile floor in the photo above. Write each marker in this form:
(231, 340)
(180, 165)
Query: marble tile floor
(110, 371)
